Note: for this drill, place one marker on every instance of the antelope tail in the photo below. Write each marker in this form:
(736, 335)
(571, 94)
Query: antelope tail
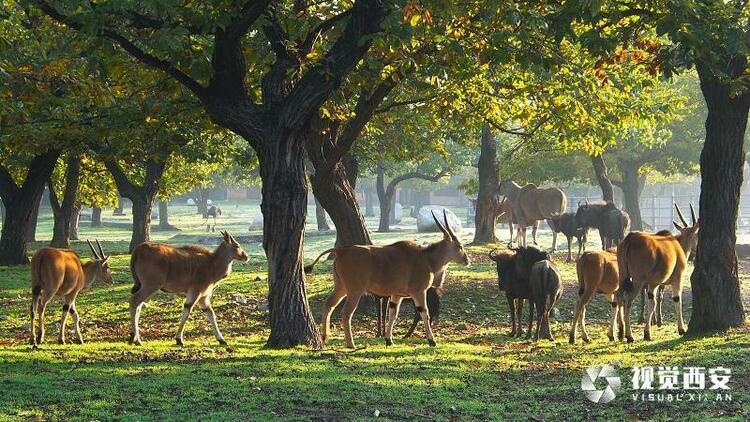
(626, 282)
(36, 278)
(136, 280)
(309, 268)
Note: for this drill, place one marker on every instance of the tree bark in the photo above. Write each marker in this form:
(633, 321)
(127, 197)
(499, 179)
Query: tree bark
(600, 169)
(96, 217)
(201, 201)
(33, 221)
(141, 210)
(387, 193)
(164, 215)
(631, 191)
(717, 304)
(20, 203)
(485, 217)
(369, 209)
(120, 210)
(284, 208)
(64, 211)
(75, 220)
(320, 217)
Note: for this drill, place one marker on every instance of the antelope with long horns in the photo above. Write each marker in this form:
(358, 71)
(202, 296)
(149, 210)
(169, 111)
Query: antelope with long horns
(59, 272)
(402, 269)
(651, 260)
(191, 270)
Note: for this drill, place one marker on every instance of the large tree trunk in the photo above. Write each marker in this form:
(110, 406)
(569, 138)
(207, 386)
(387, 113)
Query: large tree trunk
(33, 221)
(631, 191)
(65, 209)
(284, 207)
(96, 217)
(385, 198)
(120, 210)
(20, 203)
(717, 303)
(320, 217)
(164, 215)
(369, 208)
(600, 169)
(75, 220)
(485, 217)
(201, 201)
(141, 220)
(337, 196)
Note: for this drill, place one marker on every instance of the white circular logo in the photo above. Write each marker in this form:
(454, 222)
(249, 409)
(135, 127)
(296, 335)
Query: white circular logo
(589, 379)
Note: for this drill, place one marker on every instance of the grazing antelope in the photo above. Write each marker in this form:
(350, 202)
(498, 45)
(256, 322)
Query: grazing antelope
(191, 270)
(59, 272)
(611, 222)
(567, 224)
(531, 204)
(513, 277)
(651, 260)
(402, 269)
(546, 289)
(212, 212)
(597, 273)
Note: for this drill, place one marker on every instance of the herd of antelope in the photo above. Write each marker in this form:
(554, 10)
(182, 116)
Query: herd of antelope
(627, 266)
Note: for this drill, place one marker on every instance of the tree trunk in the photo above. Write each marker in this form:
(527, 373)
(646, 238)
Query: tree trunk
(33, 221)
(141, 220)
(65, 209)
(120, 210)
(337, 196)
(75, 219)
(631, 192)
(320, 217)
(20, 205)
(385, 198)
(600, 169)
(201, 201)
(96, 217)
(164, 216)
(485, 217)
(369, 209)
(717, 304)
(284, 207)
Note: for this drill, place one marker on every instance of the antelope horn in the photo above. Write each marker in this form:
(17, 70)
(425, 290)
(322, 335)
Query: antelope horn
(679, 213)
(438, 224)
(448, 226)
(692, 214)
(93, 251)
(101, 251)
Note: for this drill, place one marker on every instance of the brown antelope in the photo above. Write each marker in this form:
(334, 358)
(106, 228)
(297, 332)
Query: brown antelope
(402, 269)
(59, 272)
(597, 273)
(651, 260)
(531, 204)
(191, 270)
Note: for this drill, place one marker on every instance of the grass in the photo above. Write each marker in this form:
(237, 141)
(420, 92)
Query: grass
(475, 373)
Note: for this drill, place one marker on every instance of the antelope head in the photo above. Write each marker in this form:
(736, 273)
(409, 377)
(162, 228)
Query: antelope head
(234, 248)
(103, 272)
(455, 250)
(688, 236)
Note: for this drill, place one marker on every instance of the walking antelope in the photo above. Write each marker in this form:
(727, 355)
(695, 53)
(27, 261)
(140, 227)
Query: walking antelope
(191, 270)
(651, 260)
(59, 272)
(597, 273)
(402, 269)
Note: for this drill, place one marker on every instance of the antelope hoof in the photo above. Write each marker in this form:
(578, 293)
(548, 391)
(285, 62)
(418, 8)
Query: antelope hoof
(620, 335)
(432, 342)
(586, 340)
(629, 339)
(681, 331)
(647, 336)
(611, 338)
(571, 339)
(61, 341)
(80, 341)
(222, 342)
(388, 342)
(179, 342)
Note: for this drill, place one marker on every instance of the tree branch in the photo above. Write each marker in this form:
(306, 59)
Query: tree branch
(249, 13)
(8, 186)
(415, 175)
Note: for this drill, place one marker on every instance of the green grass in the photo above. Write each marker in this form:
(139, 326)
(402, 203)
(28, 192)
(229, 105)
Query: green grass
(475, 372)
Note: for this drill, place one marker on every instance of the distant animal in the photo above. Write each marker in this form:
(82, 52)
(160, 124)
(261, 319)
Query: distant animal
(597, 273)
(59, 272)
(567, 224)
(212, 212)
(191, 270)
(513, 276)
(402, 269)
(531, 204)
(546, 289)
(505, 215)
(611, 222)
(647, 261)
